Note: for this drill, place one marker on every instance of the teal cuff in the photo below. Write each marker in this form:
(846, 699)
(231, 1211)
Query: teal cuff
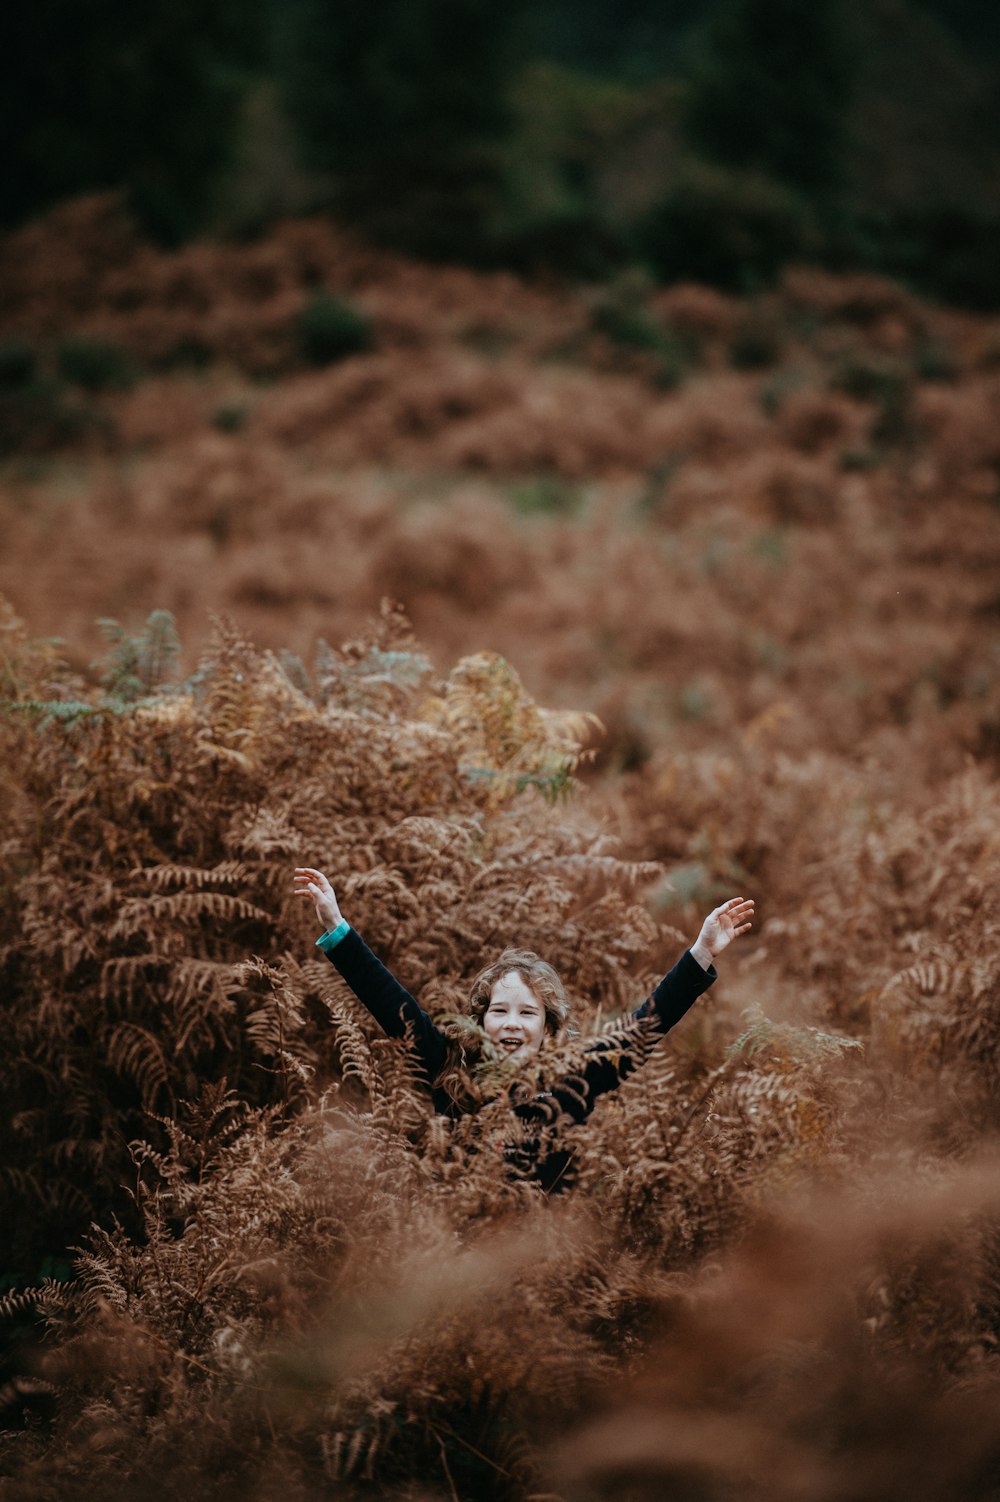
(333, 936)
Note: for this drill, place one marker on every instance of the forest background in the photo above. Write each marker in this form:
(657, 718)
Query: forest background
(543, 466)
(707, 140)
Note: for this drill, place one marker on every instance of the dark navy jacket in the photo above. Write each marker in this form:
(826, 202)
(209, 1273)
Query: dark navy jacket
(605, 1062)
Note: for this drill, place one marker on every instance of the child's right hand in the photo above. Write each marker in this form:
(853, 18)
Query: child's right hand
(721, 927)
(312, 883)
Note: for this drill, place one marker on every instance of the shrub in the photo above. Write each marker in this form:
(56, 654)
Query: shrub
(868, 378)
(935, 360)
(137, 666)
(569, 237)
(547, 495)
(190, 351)
(860, 459)
(733, 230)
(17, 364)
(777, 389)
(36, 417)
(330, 329)
(632, 327)
(231, 417)
(755, 344)
(888, 385)
(94, 364)
(950, 253)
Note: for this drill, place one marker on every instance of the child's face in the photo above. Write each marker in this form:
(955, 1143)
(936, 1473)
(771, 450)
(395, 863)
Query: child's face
(515, 1018)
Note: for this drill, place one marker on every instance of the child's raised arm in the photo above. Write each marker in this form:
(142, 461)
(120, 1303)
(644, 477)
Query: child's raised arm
(375, 986)
(720, 928)
(312, 883)
(612, 1059)
(695, 970)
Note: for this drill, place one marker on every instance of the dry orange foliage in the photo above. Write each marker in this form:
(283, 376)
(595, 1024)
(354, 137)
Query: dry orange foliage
(777, 1275)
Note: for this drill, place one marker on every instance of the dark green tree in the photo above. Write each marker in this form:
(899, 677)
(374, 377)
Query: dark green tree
(110, 94)
(771, 87)
(633, 39)
(402, 103)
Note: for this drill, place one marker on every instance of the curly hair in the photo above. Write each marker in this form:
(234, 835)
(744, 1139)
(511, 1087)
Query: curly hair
(459, 1077)
(537, 974)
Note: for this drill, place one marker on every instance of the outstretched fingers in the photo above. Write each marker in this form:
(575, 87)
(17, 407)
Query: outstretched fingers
(739, 911)
(312, 883)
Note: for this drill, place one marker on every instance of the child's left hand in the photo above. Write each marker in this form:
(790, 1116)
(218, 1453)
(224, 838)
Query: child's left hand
(721, 927)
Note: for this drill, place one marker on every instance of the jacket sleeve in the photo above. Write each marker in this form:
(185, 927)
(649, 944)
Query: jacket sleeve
(676, 994)
(611, 1060)
(392, 1006)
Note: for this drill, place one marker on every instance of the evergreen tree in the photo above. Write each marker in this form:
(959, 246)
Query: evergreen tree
(771, 87)
(401, 102)
(633, 39)
(111, 94)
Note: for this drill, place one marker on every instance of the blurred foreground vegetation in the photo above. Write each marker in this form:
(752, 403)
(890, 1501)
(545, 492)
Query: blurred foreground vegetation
(784, 1242)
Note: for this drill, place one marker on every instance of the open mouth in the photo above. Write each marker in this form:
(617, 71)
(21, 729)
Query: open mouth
(511, 1044)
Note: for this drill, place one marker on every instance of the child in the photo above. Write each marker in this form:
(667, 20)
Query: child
(520, 1004)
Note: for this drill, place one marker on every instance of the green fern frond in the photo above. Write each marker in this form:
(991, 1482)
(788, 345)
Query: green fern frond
(67, 712)
(137, 666)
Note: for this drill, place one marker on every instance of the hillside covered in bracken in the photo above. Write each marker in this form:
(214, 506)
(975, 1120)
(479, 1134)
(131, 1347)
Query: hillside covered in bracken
(537, 614)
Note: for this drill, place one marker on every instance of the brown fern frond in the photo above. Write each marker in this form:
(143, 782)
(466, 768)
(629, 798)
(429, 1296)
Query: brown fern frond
(226, 873)
(138, 914)
(17, 1303)
(134, 1052)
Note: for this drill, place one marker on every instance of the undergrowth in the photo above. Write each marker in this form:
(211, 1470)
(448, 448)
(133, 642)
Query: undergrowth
(760, 539)
(289, 1275)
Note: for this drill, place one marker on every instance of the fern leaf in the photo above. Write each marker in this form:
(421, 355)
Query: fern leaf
(132, 1051)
